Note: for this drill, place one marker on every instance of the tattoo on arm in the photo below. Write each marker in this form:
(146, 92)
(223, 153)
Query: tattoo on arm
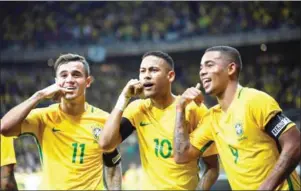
(8, 181)
(113, 177)
(181, 137)
(285, 165)
(209, 172)
(207, 180)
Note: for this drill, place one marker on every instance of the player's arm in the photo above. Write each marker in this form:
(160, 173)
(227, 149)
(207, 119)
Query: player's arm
(211, 173)
(117, 128)
(12, 119)
(290, 155)
(8, 181)
(112, 170)
(184, 151)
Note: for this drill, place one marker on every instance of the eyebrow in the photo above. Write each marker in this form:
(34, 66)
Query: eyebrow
(152, 67)
(73, 71)
(207, 61)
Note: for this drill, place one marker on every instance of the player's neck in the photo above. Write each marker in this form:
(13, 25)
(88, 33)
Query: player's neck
(225, 98)
(164, 101)
(73, 107)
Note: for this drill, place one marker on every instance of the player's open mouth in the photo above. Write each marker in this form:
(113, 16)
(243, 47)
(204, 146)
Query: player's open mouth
(148, 85)
(70, 88)
(206, 82)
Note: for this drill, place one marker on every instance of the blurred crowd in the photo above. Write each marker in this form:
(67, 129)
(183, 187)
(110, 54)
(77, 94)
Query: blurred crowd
(48, 24)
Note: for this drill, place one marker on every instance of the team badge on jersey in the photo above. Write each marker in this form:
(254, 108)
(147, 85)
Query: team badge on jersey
(96, 132)
(238, 128)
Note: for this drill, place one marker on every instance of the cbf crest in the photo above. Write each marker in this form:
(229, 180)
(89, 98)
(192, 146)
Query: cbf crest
(239, 129)
(96, 130)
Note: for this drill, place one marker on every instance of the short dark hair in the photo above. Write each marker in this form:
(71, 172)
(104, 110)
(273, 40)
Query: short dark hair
(65, 58)
(162, 55)
(232, 53)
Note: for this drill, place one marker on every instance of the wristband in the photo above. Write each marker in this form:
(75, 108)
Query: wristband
(122, 102)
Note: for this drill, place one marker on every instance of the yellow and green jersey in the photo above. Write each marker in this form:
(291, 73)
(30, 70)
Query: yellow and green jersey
(155, 131)
(7, 151)
(70, 153)
(247, 151)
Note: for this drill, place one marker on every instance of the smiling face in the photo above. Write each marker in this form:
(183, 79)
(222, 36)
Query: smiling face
(72, 76)
(156, 76)
(215, 72)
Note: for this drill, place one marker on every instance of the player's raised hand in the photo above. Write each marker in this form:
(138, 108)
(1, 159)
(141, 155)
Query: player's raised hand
(192, 94)
(132, 88)
(54, 92)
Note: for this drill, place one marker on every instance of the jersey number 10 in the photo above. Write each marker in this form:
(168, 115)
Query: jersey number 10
(159, 148)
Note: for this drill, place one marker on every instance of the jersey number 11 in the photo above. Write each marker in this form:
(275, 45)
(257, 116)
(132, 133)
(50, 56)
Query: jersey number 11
(82, 152)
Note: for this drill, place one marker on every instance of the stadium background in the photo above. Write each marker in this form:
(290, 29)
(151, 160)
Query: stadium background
(114, 35)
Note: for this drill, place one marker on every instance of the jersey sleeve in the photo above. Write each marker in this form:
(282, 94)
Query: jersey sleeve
(129, 122)
(131, 111)
(201, 138)
(268, 115)
(194, 115)
(33, 123)
(7, 151)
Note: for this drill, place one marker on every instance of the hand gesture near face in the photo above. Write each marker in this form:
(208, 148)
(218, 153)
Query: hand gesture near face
(133, 88)
(54, 92)
(192, 94)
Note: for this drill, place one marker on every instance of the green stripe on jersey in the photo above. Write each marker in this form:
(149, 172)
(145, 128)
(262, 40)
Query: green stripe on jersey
(37, 142)
(205, 147)
(290, 184)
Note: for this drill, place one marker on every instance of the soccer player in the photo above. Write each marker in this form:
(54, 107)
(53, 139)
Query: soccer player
(7, 163)
(67, 132)
(153, 118)
(258, 145)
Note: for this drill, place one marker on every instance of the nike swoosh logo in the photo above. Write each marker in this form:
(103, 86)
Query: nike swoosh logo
(55, 130)
(142, 124)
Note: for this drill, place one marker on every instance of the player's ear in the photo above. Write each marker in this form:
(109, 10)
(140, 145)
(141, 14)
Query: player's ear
(232, 69)
(89, 80)
(171, 75)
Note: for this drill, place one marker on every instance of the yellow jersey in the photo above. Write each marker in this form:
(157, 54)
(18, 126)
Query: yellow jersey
(7, 151)
(155, 131)
(69, 150)
(247, 152)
